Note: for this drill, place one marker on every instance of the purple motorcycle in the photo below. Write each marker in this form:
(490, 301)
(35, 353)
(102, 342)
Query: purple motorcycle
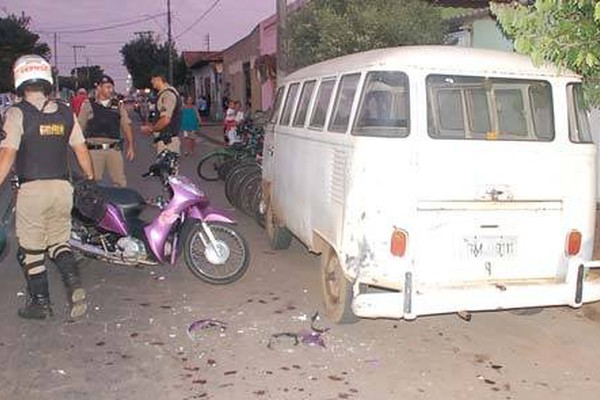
(107, 225)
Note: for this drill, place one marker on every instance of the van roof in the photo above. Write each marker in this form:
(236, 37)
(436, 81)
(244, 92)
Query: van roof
(444, 59)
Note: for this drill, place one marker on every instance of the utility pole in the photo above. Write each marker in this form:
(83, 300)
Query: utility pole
(282, 48)
(56, 83)
(75, 47)
(87, 70)
(170, 45)
(207, 41)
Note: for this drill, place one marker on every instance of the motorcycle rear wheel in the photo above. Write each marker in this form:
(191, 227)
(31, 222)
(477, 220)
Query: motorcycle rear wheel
(221, 267)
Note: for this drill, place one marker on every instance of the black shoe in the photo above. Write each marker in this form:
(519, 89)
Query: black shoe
(36, 307)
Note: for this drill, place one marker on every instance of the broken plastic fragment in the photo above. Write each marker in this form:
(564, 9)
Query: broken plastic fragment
(314, 318)
(314, 337)
(204, 324)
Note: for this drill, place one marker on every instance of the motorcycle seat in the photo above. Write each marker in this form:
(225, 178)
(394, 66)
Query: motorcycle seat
(127, 200)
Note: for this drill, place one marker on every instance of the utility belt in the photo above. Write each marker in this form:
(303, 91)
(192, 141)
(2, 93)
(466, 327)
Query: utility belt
(20, 180)
(118, 145)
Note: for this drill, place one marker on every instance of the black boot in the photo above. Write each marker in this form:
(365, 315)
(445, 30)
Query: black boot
(37, 305)
(67, 266)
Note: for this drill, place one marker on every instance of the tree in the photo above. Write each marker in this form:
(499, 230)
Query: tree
(324, 29)
(143, 55)
(87, 76)
(16, 40)
(565, 33)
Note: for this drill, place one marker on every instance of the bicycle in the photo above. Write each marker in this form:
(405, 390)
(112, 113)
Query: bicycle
(216, 164)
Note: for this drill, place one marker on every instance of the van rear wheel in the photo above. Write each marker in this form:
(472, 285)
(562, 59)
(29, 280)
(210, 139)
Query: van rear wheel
(279, 236)
(337, 291)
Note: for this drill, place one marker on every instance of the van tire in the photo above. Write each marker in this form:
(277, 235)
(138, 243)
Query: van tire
(337, 291)
(280, 237)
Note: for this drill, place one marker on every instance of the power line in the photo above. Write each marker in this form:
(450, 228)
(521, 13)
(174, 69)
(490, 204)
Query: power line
(200, 18)
(107, 27)
(93, 43)
(85, 25)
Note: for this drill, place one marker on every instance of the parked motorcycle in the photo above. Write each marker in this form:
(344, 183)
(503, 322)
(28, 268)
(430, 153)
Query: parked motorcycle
(107, 226)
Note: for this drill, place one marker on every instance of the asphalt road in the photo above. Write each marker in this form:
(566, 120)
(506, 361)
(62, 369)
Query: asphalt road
(133, 344)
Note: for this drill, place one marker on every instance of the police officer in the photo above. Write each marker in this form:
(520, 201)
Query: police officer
(168, 104)
(102, 121)
(38, 132)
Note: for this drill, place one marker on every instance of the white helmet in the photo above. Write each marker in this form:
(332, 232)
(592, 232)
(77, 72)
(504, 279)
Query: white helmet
(32, 69)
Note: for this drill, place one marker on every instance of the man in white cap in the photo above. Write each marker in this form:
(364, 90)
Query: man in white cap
(37, 135)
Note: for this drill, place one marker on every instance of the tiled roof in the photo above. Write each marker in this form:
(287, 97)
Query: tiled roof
(193, 58)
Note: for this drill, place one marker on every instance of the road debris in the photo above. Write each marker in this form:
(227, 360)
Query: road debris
(464, 315)
(312, 337)
(205, 324)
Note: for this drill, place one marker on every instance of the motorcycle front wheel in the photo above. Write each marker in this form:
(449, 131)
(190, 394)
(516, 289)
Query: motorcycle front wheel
(224, 262)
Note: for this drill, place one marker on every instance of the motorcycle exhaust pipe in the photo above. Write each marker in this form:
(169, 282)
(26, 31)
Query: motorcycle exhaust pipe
(95, 252)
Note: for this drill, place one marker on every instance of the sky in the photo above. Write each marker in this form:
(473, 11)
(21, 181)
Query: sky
(195, 24)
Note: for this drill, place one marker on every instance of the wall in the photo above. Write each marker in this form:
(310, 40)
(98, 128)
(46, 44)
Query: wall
(234, 80)
(209, 72)
(268, 45)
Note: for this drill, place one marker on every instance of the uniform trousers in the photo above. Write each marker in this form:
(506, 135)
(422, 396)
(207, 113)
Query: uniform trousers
(43, 217)
(111, 160)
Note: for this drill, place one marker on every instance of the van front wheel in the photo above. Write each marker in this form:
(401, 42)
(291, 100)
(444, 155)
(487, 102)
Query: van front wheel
(337, 291)
(279, 236)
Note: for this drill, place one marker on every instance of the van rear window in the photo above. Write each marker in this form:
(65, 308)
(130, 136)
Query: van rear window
(384, 105)
(579, 125)
(467, 107)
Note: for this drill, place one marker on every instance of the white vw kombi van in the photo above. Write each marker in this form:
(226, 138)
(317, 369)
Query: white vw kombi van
(435, 179)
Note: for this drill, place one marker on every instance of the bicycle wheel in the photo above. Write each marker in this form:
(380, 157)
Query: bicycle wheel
(209, 165)
(234, 179)
(247, 191)
(226, 168)
(231, 165)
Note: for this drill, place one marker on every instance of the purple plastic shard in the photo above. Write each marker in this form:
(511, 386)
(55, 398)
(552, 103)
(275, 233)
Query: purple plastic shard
(311, 338)
(203, 324)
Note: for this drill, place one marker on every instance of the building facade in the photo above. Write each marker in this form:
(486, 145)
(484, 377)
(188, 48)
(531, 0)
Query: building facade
(206, 68)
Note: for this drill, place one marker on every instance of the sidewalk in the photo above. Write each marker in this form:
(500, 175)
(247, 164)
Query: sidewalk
(213, 132)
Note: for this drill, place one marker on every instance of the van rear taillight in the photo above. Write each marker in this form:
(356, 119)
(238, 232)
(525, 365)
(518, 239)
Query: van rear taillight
(573, 242)
(398, 242)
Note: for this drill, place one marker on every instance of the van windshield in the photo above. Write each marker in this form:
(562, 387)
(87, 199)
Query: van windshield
(465, 107)
(384, 105)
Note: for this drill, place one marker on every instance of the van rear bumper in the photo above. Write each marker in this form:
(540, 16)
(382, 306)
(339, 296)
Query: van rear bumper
(582, 285)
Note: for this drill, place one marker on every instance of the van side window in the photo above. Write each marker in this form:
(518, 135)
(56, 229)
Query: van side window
(319, 111)
(579, 125)
(384, 105)
(276, 106)
(305, 96)
(290, 101)
(343, 103)
(471, 107)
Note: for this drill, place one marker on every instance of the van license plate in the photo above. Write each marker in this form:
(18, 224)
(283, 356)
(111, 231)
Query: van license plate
(480, 247)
